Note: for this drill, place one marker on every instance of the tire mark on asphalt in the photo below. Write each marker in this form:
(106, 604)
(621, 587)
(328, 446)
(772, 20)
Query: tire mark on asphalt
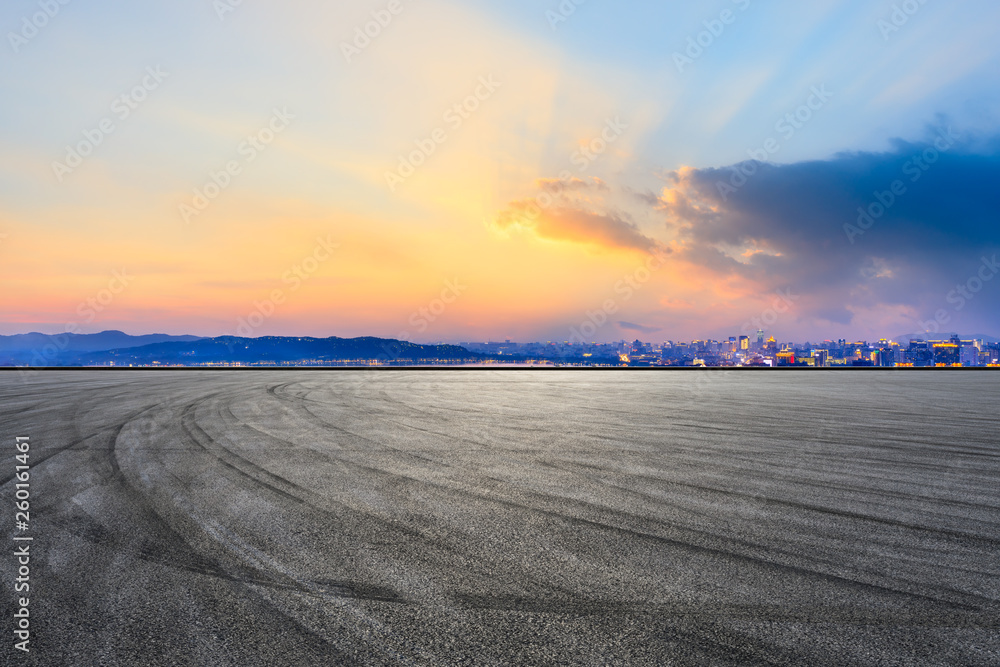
(716, 551)
(769, 501)
(49, 452)
(164, 535)
(391, 525)
(731, 554)
(198, 436)
(784, 568)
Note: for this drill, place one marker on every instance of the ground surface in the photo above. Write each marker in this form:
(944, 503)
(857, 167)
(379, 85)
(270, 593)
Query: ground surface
(306, 518)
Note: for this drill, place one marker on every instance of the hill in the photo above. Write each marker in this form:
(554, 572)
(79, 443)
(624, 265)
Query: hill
(276, 350)
(38, 349)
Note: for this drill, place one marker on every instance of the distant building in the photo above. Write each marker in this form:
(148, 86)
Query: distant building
(786, 358)
(970, 353)
(920, 353)
(947, 354)
(771, 347)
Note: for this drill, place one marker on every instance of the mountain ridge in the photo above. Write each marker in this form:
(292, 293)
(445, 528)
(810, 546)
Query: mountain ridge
(243, 350)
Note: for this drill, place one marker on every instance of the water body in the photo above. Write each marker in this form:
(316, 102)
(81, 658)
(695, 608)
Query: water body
(450, 517)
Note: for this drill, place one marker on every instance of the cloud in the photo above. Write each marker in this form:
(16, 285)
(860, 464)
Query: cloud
(871, 243)
(631, 326)
(569, 223)
(837, 232)
(559, 186)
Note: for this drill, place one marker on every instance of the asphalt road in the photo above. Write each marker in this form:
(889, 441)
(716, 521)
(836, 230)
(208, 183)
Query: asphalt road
(303, 518)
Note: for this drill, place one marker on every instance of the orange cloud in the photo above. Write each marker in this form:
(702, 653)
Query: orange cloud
(575, 225)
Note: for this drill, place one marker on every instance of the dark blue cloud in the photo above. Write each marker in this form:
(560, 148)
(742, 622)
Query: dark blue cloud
(899, 228)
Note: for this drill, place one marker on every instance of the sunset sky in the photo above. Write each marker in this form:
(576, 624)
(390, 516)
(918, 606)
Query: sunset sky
(555, 158)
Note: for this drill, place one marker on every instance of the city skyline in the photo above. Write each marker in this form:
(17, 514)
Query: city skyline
(117, 349)
(575, 335)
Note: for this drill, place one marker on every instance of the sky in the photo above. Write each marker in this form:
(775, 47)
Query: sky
(455, 171)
